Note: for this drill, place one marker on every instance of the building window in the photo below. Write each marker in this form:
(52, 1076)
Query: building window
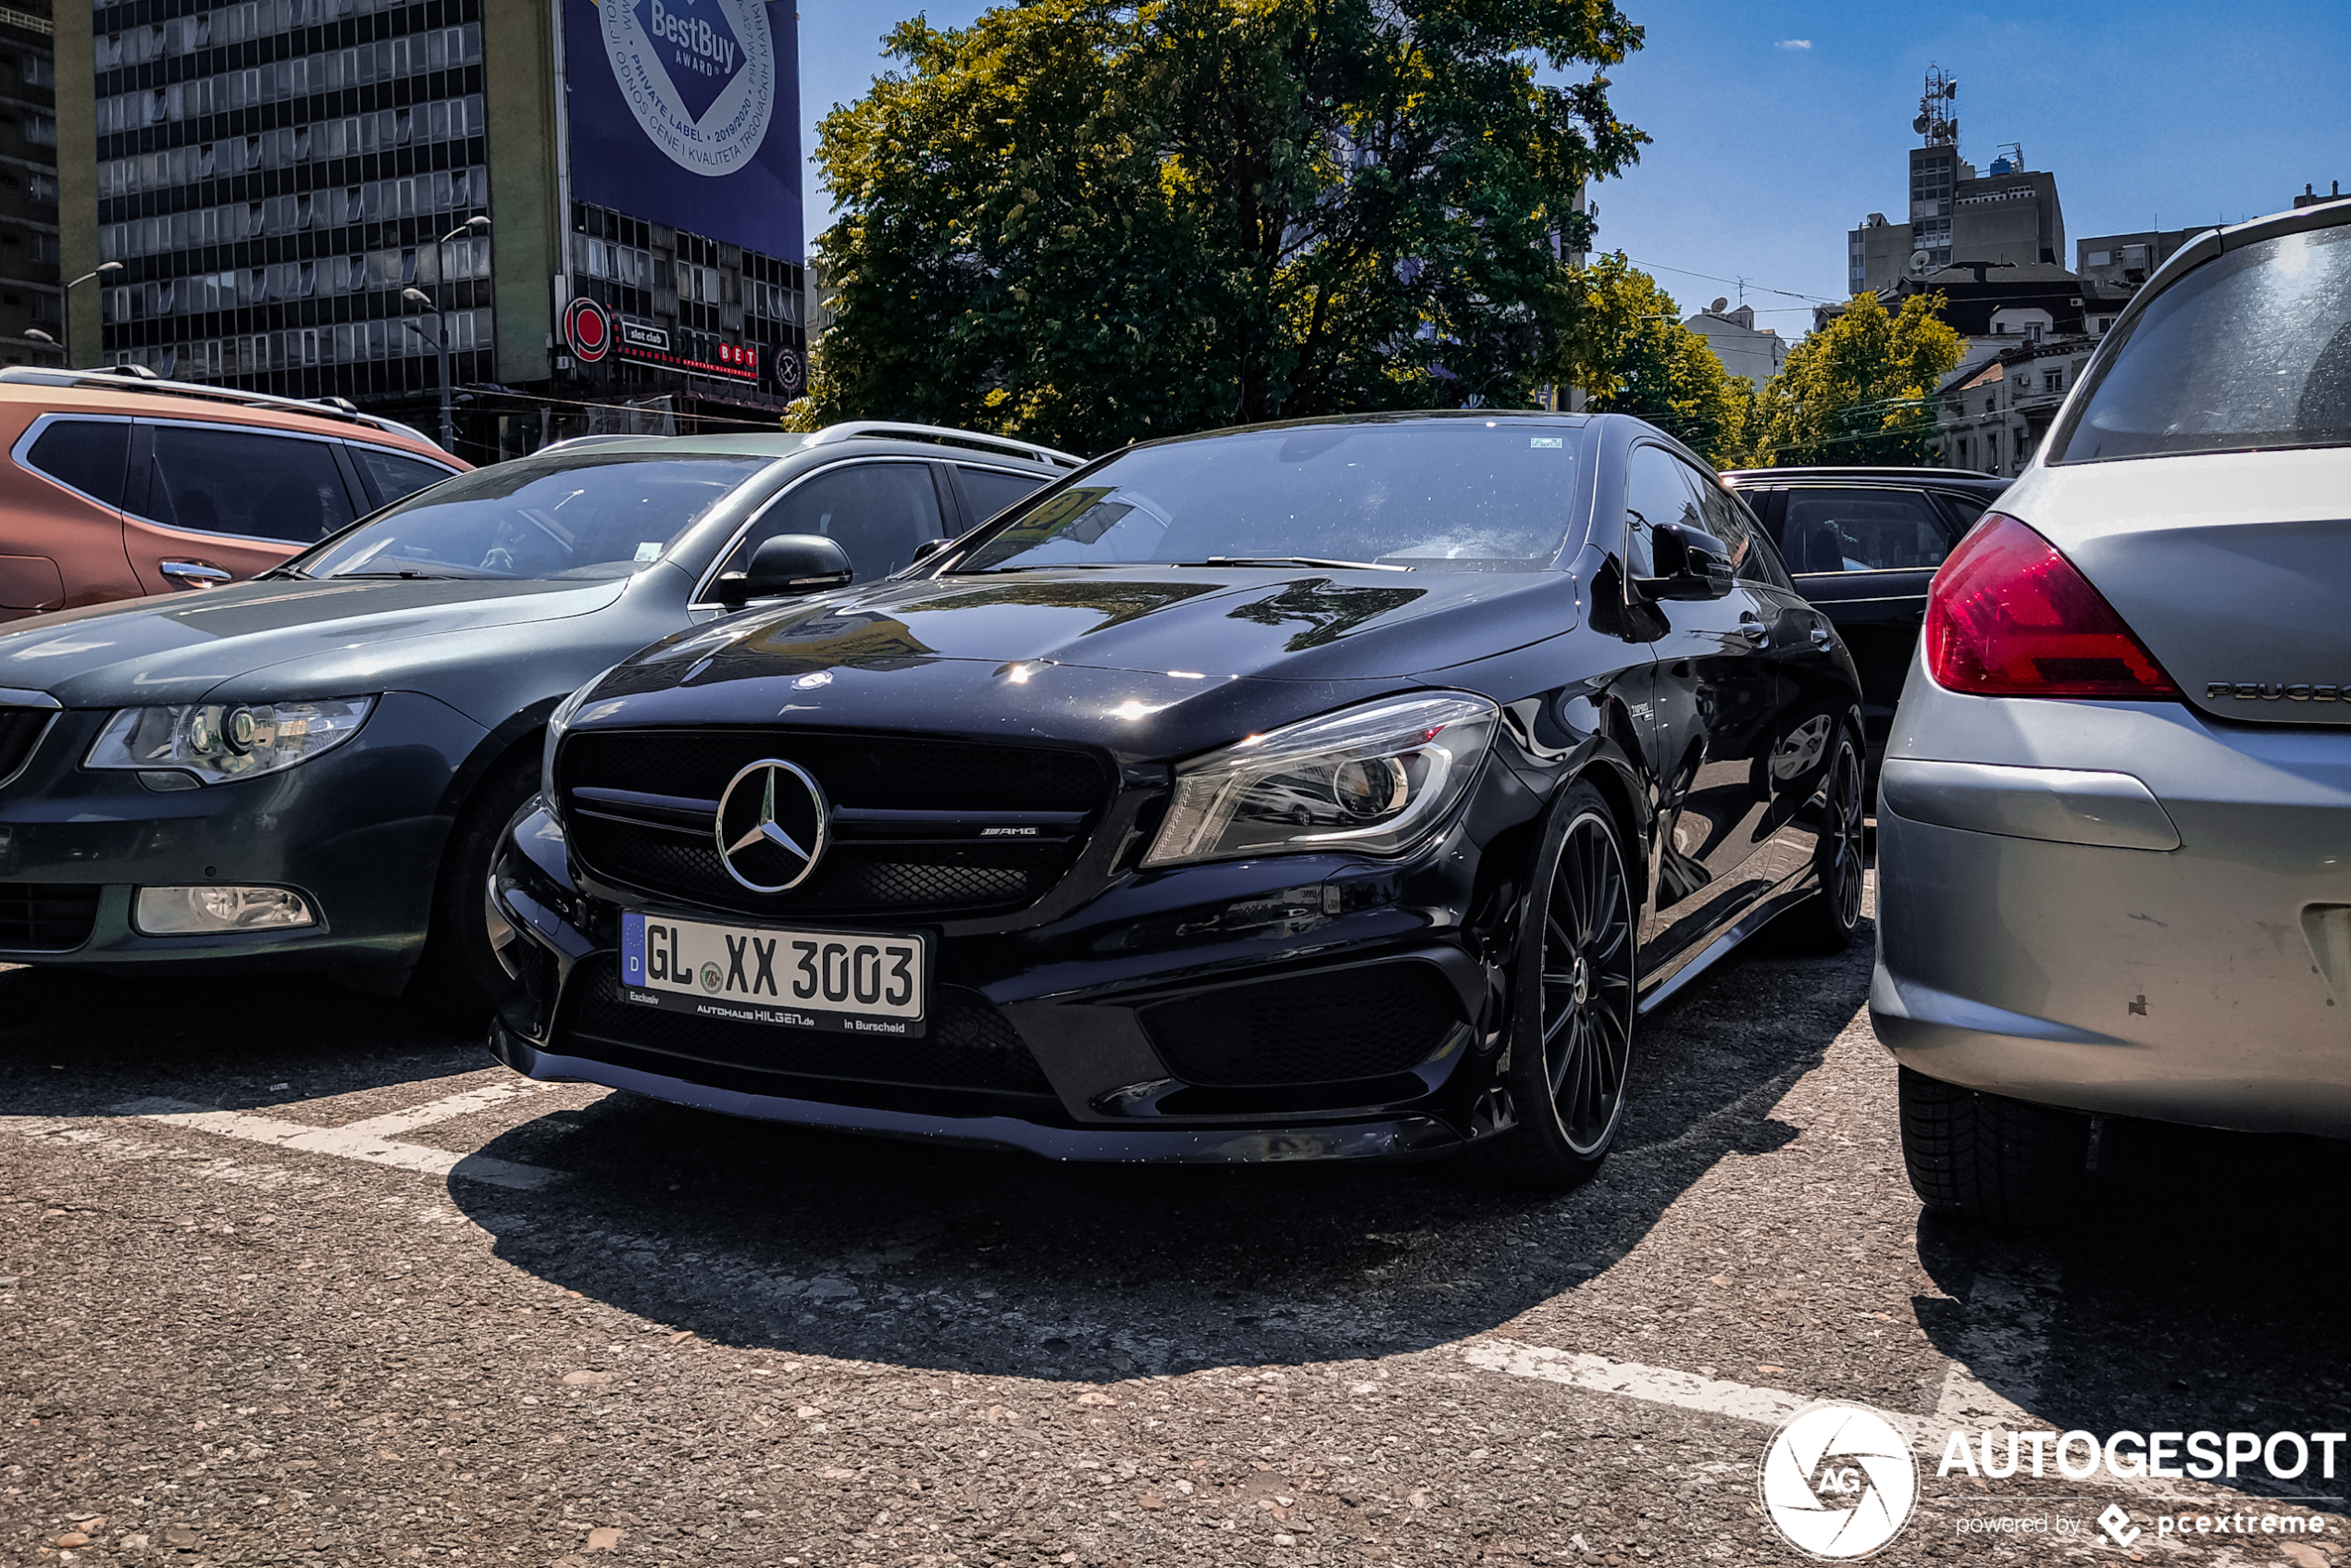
(39, 73)
(42, 188)
(41, 130)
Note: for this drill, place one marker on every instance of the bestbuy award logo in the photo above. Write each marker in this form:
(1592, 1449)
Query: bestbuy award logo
(1838, 1480)
(699, 76)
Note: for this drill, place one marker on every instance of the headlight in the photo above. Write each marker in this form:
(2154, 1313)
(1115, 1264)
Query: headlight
(1376, 779)
(220, 741)
(557, 722)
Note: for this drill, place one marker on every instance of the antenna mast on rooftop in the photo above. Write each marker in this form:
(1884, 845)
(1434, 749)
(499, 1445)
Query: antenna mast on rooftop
(1935, 123)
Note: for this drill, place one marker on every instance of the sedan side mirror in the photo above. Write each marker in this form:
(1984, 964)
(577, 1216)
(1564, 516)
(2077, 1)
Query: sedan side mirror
(1690, 564)
(930, 547)
(788, 563)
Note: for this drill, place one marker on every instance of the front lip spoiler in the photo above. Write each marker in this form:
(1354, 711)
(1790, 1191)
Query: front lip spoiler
(1356, 1140)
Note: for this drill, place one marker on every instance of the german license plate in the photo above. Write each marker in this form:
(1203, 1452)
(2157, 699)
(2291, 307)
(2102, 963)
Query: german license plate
(861, 982)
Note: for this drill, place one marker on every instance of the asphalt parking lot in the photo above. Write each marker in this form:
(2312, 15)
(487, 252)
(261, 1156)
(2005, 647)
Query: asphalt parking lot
(288, 1276)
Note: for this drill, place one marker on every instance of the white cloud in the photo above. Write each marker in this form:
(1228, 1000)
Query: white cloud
(1793, 44)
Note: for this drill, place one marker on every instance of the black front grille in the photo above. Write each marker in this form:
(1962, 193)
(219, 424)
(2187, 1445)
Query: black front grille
(47, 916)
(968, 1044)
(668, 847)
(20, 731)
(1334, 1027)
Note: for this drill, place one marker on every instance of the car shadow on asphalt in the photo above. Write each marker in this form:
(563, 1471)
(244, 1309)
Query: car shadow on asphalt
(758, 1235)
(2194, 1283)
(78, 1044)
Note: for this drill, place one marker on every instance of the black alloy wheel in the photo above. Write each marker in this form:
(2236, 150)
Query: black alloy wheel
(1570, 1055)
(1826, 923)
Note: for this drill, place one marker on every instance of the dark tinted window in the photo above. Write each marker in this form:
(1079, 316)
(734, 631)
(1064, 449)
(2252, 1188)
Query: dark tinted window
(574, 515)
(216, 480)
(394, 475)
(1658, 490)
(2251, 349)
(89, 455)
(1862, 530)
(991, 490)
(875, 511)
(1434, 496)
(1729, 521)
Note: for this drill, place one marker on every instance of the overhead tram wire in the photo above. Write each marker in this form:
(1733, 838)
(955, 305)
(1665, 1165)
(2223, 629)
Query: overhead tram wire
(1735, 282)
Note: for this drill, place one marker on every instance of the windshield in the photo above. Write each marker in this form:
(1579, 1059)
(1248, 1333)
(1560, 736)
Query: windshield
(588, 516)
(1441, 494)
(2251, 349)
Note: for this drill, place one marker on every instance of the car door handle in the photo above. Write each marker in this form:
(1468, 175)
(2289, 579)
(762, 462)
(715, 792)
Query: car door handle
(193, 574)
(1821, 639)
(1754, 630)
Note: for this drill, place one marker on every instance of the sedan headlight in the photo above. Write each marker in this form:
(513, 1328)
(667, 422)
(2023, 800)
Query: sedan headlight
(220, 741)
(1375, 779)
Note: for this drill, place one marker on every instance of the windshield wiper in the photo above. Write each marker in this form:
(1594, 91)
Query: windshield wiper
(1293, 561)
(414, 576)
(289, 574)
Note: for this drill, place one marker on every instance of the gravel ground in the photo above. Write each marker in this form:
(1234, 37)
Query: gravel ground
(670, 1337)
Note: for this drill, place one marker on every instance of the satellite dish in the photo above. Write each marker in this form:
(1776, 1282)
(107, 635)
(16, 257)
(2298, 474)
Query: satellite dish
(1722, 304)
(1918, 125)
(1919, 262)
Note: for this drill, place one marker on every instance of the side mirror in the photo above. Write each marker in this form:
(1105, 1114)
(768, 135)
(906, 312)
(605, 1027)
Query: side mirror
(1690, 564)
(930, 547)
(788, 563)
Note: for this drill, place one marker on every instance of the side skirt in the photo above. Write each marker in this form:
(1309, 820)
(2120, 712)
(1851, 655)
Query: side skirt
(1757, 915)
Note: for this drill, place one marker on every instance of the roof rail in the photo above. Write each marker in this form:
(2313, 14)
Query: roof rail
(137, 378)
(1028, 449)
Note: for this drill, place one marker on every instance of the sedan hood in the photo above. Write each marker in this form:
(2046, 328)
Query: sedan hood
(1147, 663)
(1295, 624)
(180, 648)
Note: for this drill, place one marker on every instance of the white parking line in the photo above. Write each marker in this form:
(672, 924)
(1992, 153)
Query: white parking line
(366, 1141)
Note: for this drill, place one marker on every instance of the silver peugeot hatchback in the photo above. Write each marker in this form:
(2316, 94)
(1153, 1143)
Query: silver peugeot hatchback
(2114, 828)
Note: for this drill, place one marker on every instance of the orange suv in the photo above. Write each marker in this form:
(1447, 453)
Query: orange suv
(119, 485)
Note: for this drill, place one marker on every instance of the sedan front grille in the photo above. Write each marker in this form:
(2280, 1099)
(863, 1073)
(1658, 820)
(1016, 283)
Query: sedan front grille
(919, 826)
(20, 730)
(47, 916)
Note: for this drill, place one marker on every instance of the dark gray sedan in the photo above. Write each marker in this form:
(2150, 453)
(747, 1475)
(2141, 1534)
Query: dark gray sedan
(309, 771)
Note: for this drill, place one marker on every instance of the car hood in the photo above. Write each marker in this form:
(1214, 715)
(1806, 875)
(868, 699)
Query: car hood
(180, 648)
(1290, 624)
(1147, 663)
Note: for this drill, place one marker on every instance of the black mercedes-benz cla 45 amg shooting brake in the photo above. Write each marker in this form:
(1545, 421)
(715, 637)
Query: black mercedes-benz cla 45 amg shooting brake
(1336, 788)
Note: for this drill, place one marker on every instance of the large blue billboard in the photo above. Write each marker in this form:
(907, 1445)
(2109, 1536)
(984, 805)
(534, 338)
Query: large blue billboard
(687, 112)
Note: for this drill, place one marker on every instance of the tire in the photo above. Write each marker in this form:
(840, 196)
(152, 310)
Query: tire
(1825, 923)
(1986, 1157)
(461, 974)
(1571, 1004)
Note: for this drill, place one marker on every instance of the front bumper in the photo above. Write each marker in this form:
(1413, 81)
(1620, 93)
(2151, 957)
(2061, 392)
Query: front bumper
(1085, 1015)
(2050, 931)
(358, 833)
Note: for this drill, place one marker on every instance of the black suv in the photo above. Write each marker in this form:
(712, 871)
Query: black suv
(1863, 545)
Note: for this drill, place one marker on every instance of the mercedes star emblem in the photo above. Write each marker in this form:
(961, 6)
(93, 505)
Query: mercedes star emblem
(772, 834)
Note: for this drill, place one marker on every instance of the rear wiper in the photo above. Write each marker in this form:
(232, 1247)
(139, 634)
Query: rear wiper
(1293, 561)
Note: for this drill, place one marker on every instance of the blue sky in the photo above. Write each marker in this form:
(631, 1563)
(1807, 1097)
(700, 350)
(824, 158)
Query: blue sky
(1778, 126)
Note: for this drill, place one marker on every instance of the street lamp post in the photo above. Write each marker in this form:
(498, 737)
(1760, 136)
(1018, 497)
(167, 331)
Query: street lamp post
(37, 335)
(440, 341)
(64, 297)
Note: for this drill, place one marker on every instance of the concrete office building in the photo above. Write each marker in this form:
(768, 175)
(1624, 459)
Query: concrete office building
(592, 212)
(1744, 349)
(2008, 216)
(29, 277)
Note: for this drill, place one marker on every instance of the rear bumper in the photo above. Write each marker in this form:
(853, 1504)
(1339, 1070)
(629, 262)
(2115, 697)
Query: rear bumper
(2122, 908)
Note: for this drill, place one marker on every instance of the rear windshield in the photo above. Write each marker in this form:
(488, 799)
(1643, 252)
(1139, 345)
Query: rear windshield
(2251, 349)
(1437, 495)
(585, 517)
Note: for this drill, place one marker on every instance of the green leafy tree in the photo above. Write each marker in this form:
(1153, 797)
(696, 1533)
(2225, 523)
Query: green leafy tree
(1090, 222)
(1861, 389)
(1640, 359)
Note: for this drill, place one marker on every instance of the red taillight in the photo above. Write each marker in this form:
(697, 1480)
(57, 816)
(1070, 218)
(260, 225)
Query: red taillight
(2008, 616)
